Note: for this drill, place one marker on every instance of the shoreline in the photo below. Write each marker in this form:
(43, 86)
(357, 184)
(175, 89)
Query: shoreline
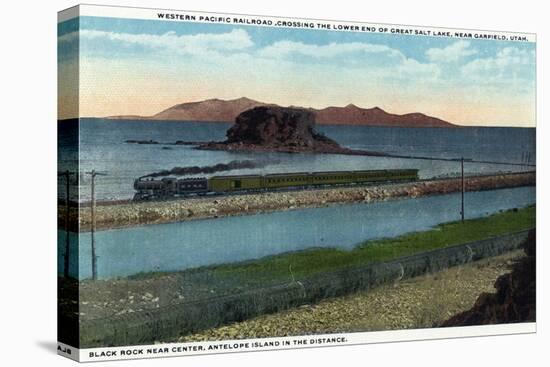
(130, 214)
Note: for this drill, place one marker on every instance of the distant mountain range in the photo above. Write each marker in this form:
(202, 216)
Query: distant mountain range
(227, 110)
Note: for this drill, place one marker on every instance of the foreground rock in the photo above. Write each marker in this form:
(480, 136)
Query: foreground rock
(514, 300)
(268, 128)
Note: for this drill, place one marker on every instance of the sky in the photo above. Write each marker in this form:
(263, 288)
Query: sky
(141, 67)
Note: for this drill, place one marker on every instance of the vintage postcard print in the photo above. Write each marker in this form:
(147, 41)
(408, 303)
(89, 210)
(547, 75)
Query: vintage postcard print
(239, 183)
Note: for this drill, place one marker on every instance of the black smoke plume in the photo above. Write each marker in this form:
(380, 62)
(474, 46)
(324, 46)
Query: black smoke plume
(194, 170)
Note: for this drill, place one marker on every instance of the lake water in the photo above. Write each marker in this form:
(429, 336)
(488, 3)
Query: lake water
(103, 148)
(183, 245)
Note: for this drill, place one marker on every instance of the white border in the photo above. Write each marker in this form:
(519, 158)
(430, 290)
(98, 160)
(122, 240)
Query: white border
(295, 342)
(202, 348)
(29, 324)
(334, 25)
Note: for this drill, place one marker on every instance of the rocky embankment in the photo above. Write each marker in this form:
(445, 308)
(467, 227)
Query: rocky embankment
(140, 213)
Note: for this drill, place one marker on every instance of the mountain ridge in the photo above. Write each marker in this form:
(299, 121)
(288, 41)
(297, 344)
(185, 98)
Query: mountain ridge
(218, 110)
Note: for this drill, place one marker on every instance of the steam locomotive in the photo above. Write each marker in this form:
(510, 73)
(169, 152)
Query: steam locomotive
(170, 187)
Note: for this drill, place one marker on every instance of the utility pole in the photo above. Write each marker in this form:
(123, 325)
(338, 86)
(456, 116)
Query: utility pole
(93, 173)
(67, 175)
(463, 187)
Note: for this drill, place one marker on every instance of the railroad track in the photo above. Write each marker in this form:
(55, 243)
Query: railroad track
(295, 189)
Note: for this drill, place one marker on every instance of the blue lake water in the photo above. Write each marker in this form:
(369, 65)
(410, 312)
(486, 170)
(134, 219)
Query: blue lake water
(183, 245)
(103, 148)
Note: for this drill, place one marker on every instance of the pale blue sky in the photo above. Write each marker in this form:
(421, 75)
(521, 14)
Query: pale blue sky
(142, 66)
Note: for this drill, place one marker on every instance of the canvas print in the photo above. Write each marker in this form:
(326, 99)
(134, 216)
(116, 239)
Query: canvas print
(232, 183)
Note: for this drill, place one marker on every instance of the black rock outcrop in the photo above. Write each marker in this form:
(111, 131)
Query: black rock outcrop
(274, 128)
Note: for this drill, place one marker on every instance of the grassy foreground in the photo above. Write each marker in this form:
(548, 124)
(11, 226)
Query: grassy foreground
(304, 263)
(420, 302)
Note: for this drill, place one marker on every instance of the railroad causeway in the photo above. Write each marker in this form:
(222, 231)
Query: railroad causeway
(128, 214)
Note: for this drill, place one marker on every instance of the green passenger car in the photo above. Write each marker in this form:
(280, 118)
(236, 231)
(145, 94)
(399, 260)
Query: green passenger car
(222, 184)
(333, 178)
(234, 183)
(286, 180)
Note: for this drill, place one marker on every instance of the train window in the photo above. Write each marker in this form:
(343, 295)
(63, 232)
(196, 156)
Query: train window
(237, 184)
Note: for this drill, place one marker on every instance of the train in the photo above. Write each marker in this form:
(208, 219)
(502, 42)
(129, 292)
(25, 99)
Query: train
(171, 187)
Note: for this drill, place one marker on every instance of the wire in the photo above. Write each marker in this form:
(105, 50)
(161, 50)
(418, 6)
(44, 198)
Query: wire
(466, 160)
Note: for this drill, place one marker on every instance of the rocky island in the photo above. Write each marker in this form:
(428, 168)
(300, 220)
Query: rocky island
(273, 128)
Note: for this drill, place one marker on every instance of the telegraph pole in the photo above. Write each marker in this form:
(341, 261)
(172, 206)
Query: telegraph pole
(463, 187)
(67, 175)
(93, 173)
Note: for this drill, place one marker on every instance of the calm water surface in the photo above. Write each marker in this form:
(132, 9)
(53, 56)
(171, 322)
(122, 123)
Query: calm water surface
(178, 246)
(103, 148)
